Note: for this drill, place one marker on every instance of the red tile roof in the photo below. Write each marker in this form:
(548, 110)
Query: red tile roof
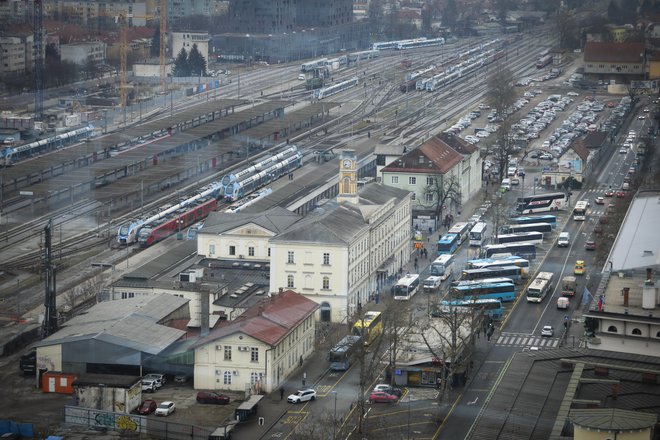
(614, 52)
(434, 156)
(268, 321)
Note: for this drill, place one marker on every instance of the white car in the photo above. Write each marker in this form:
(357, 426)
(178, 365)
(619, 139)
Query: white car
(165, 408)
(483, 134)
(547, 330)
(472, 139)
(302, 396)
(573, 94)
(623, 150)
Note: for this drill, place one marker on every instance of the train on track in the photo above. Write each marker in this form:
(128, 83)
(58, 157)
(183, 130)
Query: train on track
(169, 219)
(336, 88)
(10, 155)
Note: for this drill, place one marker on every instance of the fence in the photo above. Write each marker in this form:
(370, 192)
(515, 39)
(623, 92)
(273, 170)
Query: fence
(154, 427)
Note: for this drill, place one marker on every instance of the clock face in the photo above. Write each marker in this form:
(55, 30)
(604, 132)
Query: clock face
(347, 163)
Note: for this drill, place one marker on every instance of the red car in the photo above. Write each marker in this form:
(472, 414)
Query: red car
(609, 193)
(620, 193)
(147, 407)
(381, 397)
(590, 245)
(211, 397)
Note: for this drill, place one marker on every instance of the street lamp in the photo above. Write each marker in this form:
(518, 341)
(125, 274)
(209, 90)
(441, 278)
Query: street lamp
(334, 420)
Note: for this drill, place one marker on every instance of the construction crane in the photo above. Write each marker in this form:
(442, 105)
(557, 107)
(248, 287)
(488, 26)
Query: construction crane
(163, 46)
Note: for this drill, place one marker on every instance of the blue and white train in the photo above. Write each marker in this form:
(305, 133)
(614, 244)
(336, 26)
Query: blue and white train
(336, 88)
(403, 45)
(230, 187)
(48, 144)
(385, 45)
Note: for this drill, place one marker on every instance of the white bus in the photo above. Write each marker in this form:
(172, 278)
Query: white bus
(461, 229)
(478, 234)
(541, 203)
(580, 210)
(406, 287)
(529, 237)
(540, 287)
(443, 266)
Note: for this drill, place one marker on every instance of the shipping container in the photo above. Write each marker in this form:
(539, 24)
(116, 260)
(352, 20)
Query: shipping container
(58, 382)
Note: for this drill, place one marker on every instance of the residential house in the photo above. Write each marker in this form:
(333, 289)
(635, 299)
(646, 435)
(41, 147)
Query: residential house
(81, 53)
(445, 161)
(385, 155)
(576, 163)
(620, 61)
(260, 349)
(624, 314)
(17, 53)
(341, 255)
(186, 40)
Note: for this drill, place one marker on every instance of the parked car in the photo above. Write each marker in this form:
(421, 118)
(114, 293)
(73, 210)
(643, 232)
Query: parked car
(157, 377)
(389, 389)
(181, 378)
(211, 397)
(147, 407)
(165, 408)
(590, 245)
(382, 397)
(149, 385)
(600, 200)
(302, 396)
(547, 330)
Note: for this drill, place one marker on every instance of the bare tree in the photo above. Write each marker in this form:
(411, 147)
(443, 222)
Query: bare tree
(567, 29)
(502, 95)
(445, 190)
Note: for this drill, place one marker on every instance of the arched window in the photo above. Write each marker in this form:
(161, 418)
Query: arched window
(227, 377)
(346, 185)
(326, 283)
(325, 312)
(636, 332)
(289, 282)
(612, 329)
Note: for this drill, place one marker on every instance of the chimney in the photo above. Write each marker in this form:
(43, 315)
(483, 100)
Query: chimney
(626, 291)
(281, 290)
(649, 274)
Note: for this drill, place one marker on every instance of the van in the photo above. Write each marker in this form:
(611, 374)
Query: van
(564, 239)
(563, 303)
(432, 283)
(149, 385)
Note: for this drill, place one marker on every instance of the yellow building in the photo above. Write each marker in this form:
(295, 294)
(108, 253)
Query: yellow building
(612, 423)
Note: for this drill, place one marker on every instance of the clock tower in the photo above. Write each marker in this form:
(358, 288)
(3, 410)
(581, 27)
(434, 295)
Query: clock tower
(348, 177)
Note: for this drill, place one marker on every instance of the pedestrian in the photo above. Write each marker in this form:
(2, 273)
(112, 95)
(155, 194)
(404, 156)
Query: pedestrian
(281, 393)
(430, 230)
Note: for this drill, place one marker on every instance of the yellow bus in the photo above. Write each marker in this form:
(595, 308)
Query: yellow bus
(369, 327)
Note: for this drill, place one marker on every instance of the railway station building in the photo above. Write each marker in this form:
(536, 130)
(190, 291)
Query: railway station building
(443, 163)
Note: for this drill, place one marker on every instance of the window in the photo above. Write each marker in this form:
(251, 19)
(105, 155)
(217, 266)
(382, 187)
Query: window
(636, 332)
(326, 283)
(395, 179)
(227, 352)
(289, 258)
(226, 378)
(269, 252)
(254, 354)
(289, 282)
(413, 196)
(428, 197)
(412, 180)
(251, 251)
(326, 258)
(421, 159)
(612, 329)
(232, 250)
(255, 377)
(430, 181)
(211, 249)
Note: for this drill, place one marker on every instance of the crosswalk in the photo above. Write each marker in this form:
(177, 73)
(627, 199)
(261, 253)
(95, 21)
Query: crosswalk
(523, 340)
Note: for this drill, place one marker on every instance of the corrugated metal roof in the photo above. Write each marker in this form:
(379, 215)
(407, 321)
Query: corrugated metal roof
(638, 243)
(132, 323)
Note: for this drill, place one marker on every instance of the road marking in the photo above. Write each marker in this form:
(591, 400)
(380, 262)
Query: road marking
(525, 341)
(474, 401)
(451, 410)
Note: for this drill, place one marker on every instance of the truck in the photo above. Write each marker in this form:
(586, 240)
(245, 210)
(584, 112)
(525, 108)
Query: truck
(563, 303)
(568, 286)
(28, 363)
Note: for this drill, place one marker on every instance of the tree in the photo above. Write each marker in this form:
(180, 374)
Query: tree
(181, 66)
(502, 95)
(376, 17)
(91, 69)
(450, 14)
(196, 62)
(613, 12)
(427, 18)
(445, 190)
(567, 29)
(154, 50)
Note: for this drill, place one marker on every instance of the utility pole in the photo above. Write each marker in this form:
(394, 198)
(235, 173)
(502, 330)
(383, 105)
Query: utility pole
(49, 325)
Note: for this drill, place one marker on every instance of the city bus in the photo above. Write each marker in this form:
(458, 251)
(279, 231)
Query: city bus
(503, 291)
(541, 203)
(530, 237)
(341, 354)
(369, 327)
(482, 281)
(513, 260)
(478, 234)
(461, 229)
(580, 210)
(488, 307)
(540, 287)
(406, 287)
(525, 250)
(443, 266)
(552, 219)
(546, 228)
(512, 272)
(448, 244)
